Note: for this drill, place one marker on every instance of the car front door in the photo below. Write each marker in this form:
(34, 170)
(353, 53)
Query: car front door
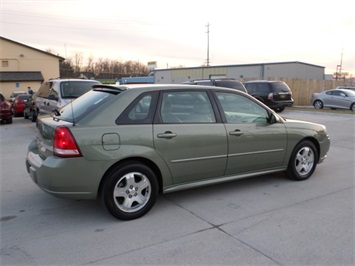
(341, 100)
(254, 143)
(188, 137)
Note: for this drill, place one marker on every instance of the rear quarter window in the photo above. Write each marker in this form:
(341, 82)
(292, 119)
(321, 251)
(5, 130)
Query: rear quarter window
(140, 111)
(44, 90)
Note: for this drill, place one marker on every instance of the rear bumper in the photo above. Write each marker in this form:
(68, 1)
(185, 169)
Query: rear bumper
(279, 104)
(6, 115)
(52, 175)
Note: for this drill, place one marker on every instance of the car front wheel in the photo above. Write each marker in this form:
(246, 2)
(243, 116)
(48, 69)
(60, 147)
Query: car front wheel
(303, 161)
(130, 191)
(318, 104)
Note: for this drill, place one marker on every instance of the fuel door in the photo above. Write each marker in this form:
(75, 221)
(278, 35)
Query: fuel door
(110, 141)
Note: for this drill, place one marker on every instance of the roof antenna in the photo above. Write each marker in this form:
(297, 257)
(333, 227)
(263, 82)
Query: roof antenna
(72, 112)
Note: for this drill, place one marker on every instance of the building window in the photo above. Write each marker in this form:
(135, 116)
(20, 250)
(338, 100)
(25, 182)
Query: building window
(5, 63)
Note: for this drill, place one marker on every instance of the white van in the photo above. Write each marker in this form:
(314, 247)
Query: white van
(56, 93)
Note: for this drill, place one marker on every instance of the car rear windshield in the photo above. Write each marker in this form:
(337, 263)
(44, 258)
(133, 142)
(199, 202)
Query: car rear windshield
(74, 89)
(279, 87)
(230, 84)
(84, 105)
(23, 97)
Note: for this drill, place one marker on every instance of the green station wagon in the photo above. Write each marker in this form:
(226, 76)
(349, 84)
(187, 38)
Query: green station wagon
(126, 144)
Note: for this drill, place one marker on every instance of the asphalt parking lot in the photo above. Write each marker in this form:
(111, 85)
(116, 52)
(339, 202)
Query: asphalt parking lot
(267, 220)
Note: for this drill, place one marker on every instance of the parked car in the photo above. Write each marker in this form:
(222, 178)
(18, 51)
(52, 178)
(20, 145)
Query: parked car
(275, 94)
(15, 94)
(55, 93)
(334, 99)
(30, 109)
(124, 144)
(5, 110)
(346, 87)
(222, 82)
(19, 104)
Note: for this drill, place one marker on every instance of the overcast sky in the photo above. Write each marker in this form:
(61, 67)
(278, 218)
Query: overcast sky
(173, 33)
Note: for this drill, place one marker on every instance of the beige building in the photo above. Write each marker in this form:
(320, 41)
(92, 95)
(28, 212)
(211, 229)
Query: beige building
(22, 66)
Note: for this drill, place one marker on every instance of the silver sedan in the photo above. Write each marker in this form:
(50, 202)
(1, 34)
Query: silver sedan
(334, 99)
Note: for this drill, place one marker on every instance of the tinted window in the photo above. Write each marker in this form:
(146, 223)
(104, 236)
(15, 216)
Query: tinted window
(186, 107)
(43, 91)
(74, 89)
(204, 83)
(279, 87)
(140, 111)
(84, 105)
(239, 109)
(230, 84)
(259, 88)
(23, 97)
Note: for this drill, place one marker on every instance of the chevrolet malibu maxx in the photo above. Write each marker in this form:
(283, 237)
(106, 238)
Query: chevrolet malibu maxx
(125, 144)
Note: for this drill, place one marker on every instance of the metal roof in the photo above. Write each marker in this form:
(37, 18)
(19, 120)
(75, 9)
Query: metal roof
(243, 65)
(8, 76)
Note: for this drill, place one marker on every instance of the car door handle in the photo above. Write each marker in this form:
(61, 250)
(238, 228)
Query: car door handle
(236, 132)
(167, 135)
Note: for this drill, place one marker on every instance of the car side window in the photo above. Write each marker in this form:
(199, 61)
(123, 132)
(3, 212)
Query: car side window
(53, 93)
(186, 107)
(43, 91)
(141, 111)
(240, 109)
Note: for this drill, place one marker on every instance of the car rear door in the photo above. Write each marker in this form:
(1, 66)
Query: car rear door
(188, 137)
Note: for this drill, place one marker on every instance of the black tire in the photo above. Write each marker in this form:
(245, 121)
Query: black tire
(303, 161)
(25, 115)
(130, 191)
(352, 107)
(33, 115)
(318, 104)
(9, 121)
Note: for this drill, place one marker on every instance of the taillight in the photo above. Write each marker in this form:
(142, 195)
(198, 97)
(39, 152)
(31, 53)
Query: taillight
(64, 144)
(270, 96)
(5, 106)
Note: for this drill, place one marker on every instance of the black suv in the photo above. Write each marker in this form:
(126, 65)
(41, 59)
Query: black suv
(275, 94)
(223, 82)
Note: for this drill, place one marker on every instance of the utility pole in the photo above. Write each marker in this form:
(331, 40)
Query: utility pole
(339, 67)
(208, 44)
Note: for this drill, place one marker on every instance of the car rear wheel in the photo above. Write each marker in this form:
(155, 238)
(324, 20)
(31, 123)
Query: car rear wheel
(318, 104)
(33, 115)
(130, 191)
(352, 107)
(303, 161)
